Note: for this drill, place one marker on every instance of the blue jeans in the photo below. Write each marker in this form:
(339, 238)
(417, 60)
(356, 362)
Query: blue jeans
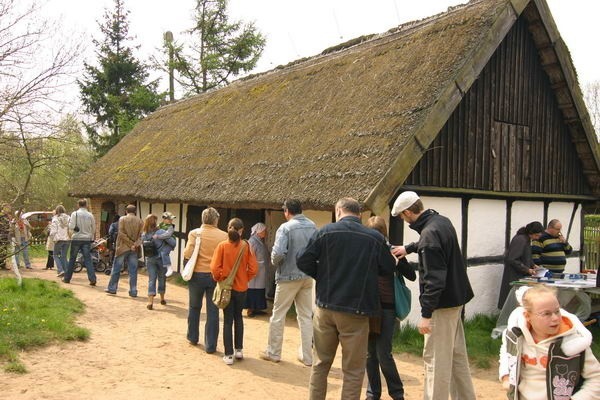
(165, 257)
(380, 356)
(155, 272)
(23, 249)
(233, 323)
(60, 255)
(84, 246)
(202, 285)
(131, 258)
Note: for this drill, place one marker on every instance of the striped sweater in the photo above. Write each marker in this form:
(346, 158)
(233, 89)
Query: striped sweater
(549, 252)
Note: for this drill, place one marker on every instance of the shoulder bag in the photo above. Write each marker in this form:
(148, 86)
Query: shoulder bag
(222, 293)
(188, 269)
(402, 297)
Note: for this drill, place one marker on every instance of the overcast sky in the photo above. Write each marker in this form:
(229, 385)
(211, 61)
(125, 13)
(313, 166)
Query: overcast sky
(301, 28)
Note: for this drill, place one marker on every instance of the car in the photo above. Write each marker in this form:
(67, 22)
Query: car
(38, 220)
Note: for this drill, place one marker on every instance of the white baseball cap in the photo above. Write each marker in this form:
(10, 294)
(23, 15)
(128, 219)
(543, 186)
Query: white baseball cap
(405, 200)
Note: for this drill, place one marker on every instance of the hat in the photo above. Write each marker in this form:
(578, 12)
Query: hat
(168, 215)
(405, 200)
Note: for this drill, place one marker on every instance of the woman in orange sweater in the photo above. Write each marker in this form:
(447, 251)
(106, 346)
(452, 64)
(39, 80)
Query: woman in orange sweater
(221, 265)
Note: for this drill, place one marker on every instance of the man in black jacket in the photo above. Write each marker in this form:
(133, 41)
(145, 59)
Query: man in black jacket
(444, 290)
(344, 258)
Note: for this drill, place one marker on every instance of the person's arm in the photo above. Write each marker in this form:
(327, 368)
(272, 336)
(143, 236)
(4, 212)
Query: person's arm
(190, 244)
(406, 269)
(590, 389)
(166, 233)
(53, 228)
(387, 262)
(216, 264)
(435, 271)
(513, 256)
(94, 228)
(280, 247)
(537, 248)
(124, 237)
(307, 259)
(252, 266)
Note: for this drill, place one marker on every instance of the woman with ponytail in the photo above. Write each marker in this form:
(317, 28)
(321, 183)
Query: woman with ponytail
(222, 264)
(518, 262)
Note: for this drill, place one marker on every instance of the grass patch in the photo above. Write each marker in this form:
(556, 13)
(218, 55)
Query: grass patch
(483, 350)
(34, 315)
(38, 251)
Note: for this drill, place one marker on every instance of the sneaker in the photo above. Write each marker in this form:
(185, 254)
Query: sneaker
(169, 271)
(228, 360)
(239, 354)
(267, 357)
(60, 274)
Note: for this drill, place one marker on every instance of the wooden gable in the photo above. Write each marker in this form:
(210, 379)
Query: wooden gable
(508, 134)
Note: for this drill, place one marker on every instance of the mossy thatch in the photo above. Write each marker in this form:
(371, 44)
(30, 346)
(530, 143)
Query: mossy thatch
(319, 129)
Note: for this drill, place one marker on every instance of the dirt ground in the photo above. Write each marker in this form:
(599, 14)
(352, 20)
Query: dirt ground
(134, 353)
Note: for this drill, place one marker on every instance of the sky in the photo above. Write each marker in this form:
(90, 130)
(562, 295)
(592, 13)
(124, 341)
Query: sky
(301, 28)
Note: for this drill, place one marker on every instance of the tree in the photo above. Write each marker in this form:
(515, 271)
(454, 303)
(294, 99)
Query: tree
(220, 50)
(36, 62)
(115, 91)
(592, 100)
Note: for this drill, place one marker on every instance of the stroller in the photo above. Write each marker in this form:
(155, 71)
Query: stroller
(100, 256)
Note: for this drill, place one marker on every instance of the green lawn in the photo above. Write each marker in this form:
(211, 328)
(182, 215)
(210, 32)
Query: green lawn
(34, 315)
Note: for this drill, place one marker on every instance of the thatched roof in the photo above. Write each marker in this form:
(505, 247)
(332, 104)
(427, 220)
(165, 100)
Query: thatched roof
(350, 122)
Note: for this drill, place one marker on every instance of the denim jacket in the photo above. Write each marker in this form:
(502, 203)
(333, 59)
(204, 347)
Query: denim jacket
(291, 237)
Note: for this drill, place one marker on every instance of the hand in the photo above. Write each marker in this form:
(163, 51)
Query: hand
(154, 236)
(561, 238)
(133, 248)
(505, 384)
(532, 271)
(424, 326)
(399, 251)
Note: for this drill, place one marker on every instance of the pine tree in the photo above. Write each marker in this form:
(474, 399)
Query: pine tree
(115, 91)
(221, 50)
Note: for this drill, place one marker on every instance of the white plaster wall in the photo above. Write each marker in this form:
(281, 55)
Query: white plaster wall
(487, 226)
(524, 212)
(320, 218)
(144, 209)
(485, 281)
(449, 207)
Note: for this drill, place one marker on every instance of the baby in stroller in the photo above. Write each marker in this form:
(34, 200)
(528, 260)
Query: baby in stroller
(169, 241)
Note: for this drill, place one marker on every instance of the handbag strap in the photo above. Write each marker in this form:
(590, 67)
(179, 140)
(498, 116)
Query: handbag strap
(231, 276)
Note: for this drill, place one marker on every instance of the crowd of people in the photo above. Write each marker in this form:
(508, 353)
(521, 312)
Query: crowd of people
(340, 279)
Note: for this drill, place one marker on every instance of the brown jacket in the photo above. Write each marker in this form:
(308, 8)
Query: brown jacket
(130, 234)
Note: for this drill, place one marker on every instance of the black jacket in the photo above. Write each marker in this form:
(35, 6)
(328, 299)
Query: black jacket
(345, 259)
(443, 279)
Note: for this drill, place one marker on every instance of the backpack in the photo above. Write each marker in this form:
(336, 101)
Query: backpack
(149, 247)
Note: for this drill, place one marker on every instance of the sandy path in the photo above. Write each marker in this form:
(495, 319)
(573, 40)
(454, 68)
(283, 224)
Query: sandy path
(134, 353)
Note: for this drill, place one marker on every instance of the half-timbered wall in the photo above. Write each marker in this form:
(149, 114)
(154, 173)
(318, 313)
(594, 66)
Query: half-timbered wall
(507, 134)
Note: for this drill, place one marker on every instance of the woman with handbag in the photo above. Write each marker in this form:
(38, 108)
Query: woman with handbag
(234, 257)
(382, 328)
(198, 253)
(153, 261)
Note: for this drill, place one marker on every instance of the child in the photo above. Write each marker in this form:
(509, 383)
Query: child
(545, 353)
(169, 241)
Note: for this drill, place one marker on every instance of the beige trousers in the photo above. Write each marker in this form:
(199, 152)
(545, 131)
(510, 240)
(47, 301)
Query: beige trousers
(445, 356)
(352, 332)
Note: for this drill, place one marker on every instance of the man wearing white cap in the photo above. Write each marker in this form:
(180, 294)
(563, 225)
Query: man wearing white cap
(444, 290)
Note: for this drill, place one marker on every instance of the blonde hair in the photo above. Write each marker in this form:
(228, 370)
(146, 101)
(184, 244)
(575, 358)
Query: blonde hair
(534, 292)
(150, 223)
